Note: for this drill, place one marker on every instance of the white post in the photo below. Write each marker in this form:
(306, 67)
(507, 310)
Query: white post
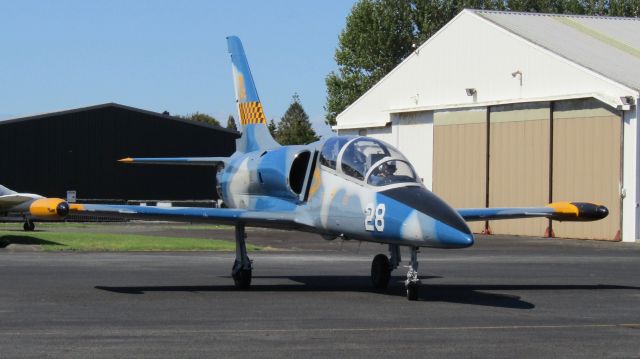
(629, 190)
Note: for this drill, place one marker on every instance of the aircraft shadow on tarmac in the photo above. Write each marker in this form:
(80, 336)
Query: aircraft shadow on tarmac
(17, 239)
(450, 293)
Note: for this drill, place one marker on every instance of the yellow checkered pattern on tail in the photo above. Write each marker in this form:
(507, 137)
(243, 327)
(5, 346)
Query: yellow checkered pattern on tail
(251, 112)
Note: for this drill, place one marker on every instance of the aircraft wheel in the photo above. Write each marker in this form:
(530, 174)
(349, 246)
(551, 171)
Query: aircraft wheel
(380, 271)
(412, 291)
(242, 278)
(28, 226)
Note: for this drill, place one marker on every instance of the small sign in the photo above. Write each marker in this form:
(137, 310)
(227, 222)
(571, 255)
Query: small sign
(71, 196)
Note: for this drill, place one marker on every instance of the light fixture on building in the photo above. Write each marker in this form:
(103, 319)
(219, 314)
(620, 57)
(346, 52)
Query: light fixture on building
(470, 91)
(627, 100)
(519, 74)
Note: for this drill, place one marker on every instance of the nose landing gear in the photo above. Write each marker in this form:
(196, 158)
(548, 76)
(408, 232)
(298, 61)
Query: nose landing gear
(382, 266)
(413, 282)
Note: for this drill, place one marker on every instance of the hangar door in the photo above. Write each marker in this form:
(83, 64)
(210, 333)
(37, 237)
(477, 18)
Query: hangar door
(587, 142)
(519, 139)
(459, 159)
(538, 152)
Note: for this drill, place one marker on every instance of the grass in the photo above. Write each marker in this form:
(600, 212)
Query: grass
(61, 241)
(17, 224)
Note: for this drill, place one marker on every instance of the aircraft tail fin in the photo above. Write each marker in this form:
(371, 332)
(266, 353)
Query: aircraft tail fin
(255, 134)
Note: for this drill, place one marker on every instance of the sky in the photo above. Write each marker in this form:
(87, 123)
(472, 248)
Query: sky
(165, 55)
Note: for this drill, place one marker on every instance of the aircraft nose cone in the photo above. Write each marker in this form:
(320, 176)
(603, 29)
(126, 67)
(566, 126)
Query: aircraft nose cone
(451, 229)
(62, 209)
(453, 237)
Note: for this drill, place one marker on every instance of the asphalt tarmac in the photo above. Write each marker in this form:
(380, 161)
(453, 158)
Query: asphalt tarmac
(506, 297)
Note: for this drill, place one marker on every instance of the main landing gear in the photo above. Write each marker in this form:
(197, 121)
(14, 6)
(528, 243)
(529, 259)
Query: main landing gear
(382, 266)
(28, 226)
(241, 271)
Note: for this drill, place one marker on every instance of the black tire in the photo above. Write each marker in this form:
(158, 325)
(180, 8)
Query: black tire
(28, 226)
(241, 277)
(412, 291)
(380, 271)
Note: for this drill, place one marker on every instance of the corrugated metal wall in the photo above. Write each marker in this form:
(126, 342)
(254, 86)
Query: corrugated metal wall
(586, 164)
(410, 131)
(78, 150)
(459, 159)
(519, 164)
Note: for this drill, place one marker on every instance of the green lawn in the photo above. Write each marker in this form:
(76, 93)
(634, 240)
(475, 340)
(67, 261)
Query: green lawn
(61, 241)
(18, 225)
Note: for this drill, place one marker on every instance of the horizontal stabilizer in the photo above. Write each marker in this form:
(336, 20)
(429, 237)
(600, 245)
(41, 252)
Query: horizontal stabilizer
(559, 211)
(5, 191)
(182, 161)
(11, 200)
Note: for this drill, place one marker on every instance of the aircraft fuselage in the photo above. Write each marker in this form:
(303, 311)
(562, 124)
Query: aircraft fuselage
(332, 203)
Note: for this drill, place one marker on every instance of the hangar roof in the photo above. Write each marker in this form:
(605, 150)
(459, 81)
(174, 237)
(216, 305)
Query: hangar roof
(114, 105)
(609, 46)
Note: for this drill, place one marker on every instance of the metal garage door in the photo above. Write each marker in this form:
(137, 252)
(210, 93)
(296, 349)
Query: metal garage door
(519, 163)
(586, 164)
(459, 159)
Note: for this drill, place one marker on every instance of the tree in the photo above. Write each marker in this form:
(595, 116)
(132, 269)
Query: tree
(273, 128)
(231, 123)
(379, 34)
(201, 117)
(294, 128)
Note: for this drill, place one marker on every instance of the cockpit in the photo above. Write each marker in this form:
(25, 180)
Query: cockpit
(367, 159)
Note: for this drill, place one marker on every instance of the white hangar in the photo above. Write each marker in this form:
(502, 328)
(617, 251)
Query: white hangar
(519, 109)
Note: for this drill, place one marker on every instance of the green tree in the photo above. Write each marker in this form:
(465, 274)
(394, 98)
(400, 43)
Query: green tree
(231, 123)
(294, 128)
(378, 35)
(273, 128)
(201, 117)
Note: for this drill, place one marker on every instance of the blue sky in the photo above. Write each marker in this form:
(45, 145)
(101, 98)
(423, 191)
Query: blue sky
(165, 55)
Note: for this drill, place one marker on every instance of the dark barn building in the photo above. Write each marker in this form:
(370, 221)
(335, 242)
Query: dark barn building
(78, 150)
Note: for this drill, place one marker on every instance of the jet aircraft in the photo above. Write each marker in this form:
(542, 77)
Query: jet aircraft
(350, 187)
(31, 206)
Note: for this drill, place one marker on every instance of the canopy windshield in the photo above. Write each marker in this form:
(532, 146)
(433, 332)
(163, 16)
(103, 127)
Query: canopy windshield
(391, 172)
(331, 149)
(363, 153)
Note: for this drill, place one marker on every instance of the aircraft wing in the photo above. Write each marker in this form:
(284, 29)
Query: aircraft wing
(559, 211)
(184, 161)
(191, 214)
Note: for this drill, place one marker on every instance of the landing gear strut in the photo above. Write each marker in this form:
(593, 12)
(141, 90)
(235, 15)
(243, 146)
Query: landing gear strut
(413, 283)
(241, 271)
(382, 266)
(28, 225)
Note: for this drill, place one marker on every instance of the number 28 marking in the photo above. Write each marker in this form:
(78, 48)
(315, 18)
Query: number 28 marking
(374, 220)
